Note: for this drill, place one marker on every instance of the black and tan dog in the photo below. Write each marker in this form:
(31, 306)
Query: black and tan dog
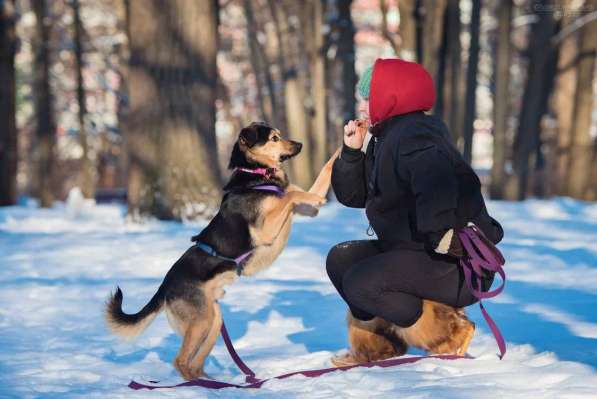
(249, 219)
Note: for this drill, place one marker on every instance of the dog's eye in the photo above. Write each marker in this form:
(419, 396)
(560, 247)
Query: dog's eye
(275, 138)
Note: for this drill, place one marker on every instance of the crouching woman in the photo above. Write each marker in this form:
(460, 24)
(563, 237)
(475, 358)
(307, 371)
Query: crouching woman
(405, 287)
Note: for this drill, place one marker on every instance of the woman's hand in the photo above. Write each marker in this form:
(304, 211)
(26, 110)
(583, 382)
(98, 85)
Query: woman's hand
(354, 133)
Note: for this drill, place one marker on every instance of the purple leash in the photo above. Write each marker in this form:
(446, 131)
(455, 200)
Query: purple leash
(482, 255)
(253, 382)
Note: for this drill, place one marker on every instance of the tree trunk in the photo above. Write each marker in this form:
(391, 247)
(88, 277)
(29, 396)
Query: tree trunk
(432, 35)
(275, 15)
(298, 128)
(501, 101)
(8, 128)
(470, 107)
(452, 93)
(87, 175)
(170, 127)
(592, 193)
(46, 128)
(581, 145)
(297, 121)
(346, 52)
(527, 136)
(407, 28)
(385, 31)
(419, 17)
(442, 68)
(563, 107)
(317, 67)
(260, 64)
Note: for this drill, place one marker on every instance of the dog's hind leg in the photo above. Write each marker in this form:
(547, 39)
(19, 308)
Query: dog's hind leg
(196, 366)
(194, 336)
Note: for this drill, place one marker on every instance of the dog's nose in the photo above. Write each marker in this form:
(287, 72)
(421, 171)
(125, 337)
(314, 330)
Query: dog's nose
(298, 145)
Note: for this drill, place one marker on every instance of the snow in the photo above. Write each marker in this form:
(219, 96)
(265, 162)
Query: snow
(58, 266)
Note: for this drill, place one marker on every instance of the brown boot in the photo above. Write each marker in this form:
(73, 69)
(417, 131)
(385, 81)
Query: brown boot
(369, 341)
(441, 329)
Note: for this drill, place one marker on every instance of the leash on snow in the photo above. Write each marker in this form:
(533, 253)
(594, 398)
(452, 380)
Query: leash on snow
(481, 255)
(251, 381)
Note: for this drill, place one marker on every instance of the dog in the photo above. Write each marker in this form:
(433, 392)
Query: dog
(252, 221)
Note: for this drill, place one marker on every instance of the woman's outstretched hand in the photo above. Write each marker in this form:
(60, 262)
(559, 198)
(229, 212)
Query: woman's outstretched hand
(354, 133)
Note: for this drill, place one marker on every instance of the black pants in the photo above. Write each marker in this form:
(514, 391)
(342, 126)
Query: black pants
(392, 284)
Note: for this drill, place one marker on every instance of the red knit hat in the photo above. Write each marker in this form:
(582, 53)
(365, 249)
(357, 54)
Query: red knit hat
(399, 87)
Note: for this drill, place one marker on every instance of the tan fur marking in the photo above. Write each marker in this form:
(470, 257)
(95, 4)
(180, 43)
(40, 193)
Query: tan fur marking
(194, 336)
(214, 288)
(276, 212)
(323, 181)
(269, 153)
(196, 365)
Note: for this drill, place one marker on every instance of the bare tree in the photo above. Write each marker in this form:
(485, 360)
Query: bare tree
(536, 89)
(449, 78)
(408, 46)
(581, 145)
(385, 31)
(8, 130)
(87, 174)
(46, 128)
(471, 81)
(261, 68)
(170, 126)
(502, 100)
(317, 65)
(432, 34)
(286, 18)
(563, 107)
(346, 53)
(341, 75)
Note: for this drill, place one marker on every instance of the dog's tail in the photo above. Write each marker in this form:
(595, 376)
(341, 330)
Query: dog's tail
(131, 325)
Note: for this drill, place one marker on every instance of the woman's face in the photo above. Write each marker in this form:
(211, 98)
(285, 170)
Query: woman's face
(363, 109)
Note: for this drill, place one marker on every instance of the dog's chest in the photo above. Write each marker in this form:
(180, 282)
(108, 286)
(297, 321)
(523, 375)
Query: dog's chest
(214, 288)
(265, 255)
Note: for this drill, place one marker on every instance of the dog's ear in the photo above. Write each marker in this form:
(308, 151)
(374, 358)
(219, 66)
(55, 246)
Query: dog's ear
(248, 136)
(237, 158)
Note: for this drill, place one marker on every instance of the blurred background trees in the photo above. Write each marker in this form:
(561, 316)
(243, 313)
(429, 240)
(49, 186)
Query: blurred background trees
(8, 128)
(141, 100)
(169, 126)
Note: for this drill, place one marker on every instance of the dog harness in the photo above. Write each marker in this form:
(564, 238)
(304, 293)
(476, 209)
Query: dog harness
(240, 260)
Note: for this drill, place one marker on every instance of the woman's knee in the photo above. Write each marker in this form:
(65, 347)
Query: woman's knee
(358, 288)
(366, 291)
(337, 262)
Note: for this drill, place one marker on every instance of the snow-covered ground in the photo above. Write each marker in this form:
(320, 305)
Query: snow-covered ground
(58, 266)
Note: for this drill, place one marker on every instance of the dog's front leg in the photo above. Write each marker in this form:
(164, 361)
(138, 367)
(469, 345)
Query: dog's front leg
(320, 187)
(324, 179)
(277, 211)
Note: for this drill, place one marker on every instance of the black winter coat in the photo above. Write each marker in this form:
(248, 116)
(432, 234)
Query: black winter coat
(413, 182)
